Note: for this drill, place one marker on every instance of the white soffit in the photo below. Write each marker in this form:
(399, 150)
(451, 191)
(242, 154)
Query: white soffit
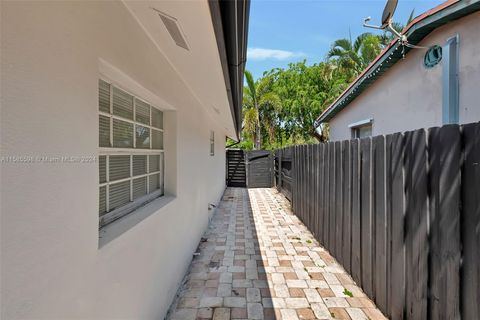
(199, 64)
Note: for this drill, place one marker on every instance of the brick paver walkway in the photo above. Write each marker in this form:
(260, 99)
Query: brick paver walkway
(258, 261)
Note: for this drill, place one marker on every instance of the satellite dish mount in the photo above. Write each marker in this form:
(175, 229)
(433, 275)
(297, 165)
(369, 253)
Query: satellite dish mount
(387, 23)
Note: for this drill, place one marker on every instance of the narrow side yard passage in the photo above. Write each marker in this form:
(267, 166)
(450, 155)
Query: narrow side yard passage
(258, 261)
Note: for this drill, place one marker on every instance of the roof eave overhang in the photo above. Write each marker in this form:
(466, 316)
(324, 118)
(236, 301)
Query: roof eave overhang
(230, 22)
(416, 31)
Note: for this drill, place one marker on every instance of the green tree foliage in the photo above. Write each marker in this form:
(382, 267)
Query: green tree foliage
(354, 57)
(280, 108)
(261, 106)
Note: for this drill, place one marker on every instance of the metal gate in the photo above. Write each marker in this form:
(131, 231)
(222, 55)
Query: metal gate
(259, 169)
(236, 172)
(252, 169)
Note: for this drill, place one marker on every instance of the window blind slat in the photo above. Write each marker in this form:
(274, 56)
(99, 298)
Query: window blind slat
(139, 187)
(102, 166)
(122, 104)
(139, 165)
(102, 208)
(119, 167)
(157, 139)
(142, 112)
(154, 182)
(142, 136)
(122, 134)
(157, 118)
(154, 164)
(103, 96)
(119, 194)
(104, 129)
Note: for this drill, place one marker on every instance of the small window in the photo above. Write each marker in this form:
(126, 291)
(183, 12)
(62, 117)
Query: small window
(361, 129)
(212, 143)
(131, 153)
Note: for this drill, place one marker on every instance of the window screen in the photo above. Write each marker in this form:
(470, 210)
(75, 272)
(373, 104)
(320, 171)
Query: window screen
(131, 152)
(362, 132)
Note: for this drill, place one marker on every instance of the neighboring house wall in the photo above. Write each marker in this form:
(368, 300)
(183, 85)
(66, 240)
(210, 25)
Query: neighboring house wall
(409, 96)
(51, 264)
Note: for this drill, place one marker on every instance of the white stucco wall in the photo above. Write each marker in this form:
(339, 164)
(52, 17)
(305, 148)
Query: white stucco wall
(409, 96)
(51, 266)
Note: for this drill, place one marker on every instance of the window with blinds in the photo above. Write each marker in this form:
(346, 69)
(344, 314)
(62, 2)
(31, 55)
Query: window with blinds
(131, 152)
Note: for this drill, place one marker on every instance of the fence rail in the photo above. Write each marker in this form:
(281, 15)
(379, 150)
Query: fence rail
(400, 212)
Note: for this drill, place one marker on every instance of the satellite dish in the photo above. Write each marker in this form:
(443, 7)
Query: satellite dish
(388, 12)
(387, 23)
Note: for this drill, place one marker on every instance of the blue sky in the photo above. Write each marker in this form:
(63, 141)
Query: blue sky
(283, 31)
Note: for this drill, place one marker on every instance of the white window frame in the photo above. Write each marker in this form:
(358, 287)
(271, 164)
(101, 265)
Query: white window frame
(110, 216)
(354, 127)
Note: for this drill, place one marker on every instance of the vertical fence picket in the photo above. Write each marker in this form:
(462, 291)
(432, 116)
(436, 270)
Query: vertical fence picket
(394, 189)
(470, 229)
(356, 232)
(294, 179)
(332, 200)
(305, 184)
(347, 218)
(380, 220)
(416, 220)
(280, 168)
(321, 193)
(315, 191)
(305, 189)
(300, 180)
(444, 179)
(326, 186)
(367, 227)
(304, 181)
(396, 207)
(311, 186)
(338, 202)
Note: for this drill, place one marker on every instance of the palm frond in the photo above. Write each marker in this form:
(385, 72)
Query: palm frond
(251, 85)
(335, 53)
(359, 41)
(411, 16)
(344, 44)
(250, 117)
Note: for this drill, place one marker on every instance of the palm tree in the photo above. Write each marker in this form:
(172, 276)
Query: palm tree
(260, 106)
(357, 55)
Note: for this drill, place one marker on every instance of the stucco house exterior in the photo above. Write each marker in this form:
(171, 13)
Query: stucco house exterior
(399, 92)
(114, 116)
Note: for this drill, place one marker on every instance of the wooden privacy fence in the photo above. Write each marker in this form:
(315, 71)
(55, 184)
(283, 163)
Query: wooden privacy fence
(283, 171)
(401, 213)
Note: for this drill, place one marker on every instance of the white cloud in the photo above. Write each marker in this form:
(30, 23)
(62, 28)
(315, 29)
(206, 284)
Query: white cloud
(264, 54)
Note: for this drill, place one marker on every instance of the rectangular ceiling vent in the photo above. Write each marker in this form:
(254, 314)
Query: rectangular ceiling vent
(173, 28)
